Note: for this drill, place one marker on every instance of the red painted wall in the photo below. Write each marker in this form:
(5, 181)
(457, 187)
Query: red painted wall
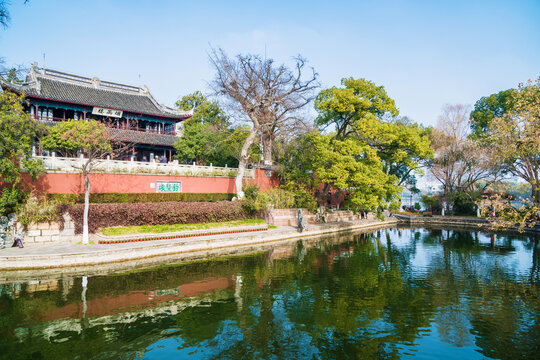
(263, 182)
(64, 183)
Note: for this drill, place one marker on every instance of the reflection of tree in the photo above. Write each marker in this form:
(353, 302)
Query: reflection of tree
(453, 325)
(477, 295)
(358, 296)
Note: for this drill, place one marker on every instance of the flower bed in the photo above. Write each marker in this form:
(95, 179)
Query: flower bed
(179, 235)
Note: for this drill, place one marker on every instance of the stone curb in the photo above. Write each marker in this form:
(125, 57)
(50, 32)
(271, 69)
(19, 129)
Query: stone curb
(163, 248)
(104, 239)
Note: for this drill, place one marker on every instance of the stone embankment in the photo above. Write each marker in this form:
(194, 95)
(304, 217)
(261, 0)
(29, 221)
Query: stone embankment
(457, 221)
(41, 256)
(289, 217)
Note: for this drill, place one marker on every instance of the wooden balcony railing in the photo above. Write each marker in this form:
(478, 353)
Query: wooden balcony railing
(113, 125)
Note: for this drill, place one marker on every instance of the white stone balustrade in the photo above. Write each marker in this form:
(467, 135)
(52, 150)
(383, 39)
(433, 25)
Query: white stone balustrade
(72, 165)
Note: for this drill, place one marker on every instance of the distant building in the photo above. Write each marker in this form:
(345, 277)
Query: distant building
(130, 111)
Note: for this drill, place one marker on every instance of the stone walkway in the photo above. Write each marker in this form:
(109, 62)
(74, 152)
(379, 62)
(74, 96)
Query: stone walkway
(39, 256)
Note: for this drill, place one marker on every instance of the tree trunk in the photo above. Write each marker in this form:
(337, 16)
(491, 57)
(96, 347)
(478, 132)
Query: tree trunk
(535, 192)
(266, 139)
(244, 156)
(87, 185)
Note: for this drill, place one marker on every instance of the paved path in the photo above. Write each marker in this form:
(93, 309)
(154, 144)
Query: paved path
(39, 256)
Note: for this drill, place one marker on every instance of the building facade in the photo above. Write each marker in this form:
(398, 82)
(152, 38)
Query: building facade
(131, 112)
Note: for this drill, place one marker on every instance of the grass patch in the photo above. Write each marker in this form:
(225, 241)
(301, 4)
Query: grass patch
(156, 229)
(272, 226)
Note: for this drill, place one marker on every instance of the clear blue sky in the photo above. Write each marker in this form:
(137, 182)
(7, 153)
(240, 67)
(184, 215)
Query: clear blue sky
(425, 53)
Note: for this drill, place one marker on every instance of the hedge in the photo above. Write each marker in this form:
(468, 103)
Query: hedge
(107, 198)
(165, 213)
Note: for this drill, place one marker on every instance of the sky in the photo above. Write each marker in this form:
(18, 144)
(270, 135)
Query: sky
(425, 53)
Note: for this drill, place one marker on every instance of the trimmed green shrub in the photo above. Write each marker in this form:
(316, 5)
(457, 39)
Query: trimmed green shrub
(106, 198)
(36, 210)
(464, 203)
(165, 213)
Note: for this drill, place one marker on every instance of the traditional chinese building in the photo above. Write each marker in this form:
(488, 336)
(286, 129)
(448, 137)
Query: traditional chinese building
(131, 112)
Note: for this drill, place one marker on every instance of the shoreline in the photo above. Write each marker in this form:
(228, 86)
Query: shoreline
(100, 259)
(460, 221)
(69, 256)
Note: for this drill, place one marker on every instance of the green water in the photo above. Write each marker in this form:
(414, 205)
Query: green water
(391, 294)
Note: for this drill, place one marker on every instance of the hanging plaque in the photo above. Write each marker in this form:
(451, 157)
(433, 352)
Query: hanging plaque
(107, 112)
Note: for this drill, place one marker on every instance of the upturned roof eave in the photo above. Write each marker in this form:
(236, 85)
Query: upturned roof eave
(178, 117)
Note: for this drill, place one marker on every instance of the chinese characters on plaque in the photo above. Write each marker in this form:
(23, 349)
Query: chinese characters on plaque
(107, 112)
(168, 186)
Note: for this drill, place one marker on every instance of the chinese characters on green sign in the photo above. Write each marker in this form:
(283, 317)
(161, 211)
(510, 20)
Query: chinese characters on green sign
(168, 186)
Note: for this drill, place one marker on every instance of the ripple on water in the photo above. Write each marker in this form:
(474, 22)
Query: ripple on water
(398, 293)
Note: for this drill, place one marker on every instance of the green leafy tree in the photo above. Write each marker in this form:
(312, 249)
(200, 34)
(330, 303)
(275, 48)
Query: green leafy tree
(365, 111)
(206, 111)
(88, 137)
(488, 108)
(205, 145)
(359, 104)
(296, 165)
(353, 166)
(515, 137)
(235, 141)
(197, 143)
(205, 136)
(515, 142)
(18, 132)
(404, 148)
(431, 202)
(365, 118)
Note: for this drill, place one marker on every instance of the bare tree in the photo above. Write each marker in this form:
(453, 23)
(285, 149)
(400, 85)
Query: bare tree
(12, 74)
(4, 13)
(268, 95)
(459, 163)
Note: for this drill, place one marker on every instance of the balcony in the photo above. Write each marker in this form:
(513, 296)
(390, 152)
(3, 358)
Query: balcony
(52, 120)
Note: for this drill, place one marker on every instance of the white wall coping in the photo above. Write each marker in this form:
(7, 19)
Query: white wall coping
(71, 165)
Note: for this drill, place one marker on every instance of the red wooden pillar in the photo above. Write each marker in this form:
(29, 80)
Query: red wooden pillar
(170, 155)
(84, 114)
(36, 113)
(64, 115)
(163, 127)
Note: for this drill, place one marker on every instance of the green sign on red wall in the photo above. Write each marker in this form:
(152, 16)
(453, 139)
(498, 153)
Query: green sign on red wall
(168, 186)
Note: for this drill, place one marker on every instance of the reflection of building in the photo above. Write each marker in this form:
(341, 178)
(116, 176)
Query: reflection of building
(131, 111)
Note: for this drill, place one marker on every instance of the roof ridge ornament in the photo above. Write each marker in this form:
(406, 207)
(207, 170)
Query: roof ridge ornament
(96, 82)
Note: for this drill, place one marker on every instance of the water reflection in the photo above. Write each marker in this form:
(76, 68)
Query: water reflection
(394, 293)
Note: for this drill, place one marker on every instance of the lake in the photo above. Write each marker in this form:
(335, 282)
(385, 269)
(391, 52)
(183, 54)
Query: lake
(395, 293)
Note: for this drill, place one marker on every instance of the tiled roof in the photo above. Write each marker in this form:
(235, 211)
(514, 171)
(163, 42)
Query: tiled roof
(54, 85)
(140, 137)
